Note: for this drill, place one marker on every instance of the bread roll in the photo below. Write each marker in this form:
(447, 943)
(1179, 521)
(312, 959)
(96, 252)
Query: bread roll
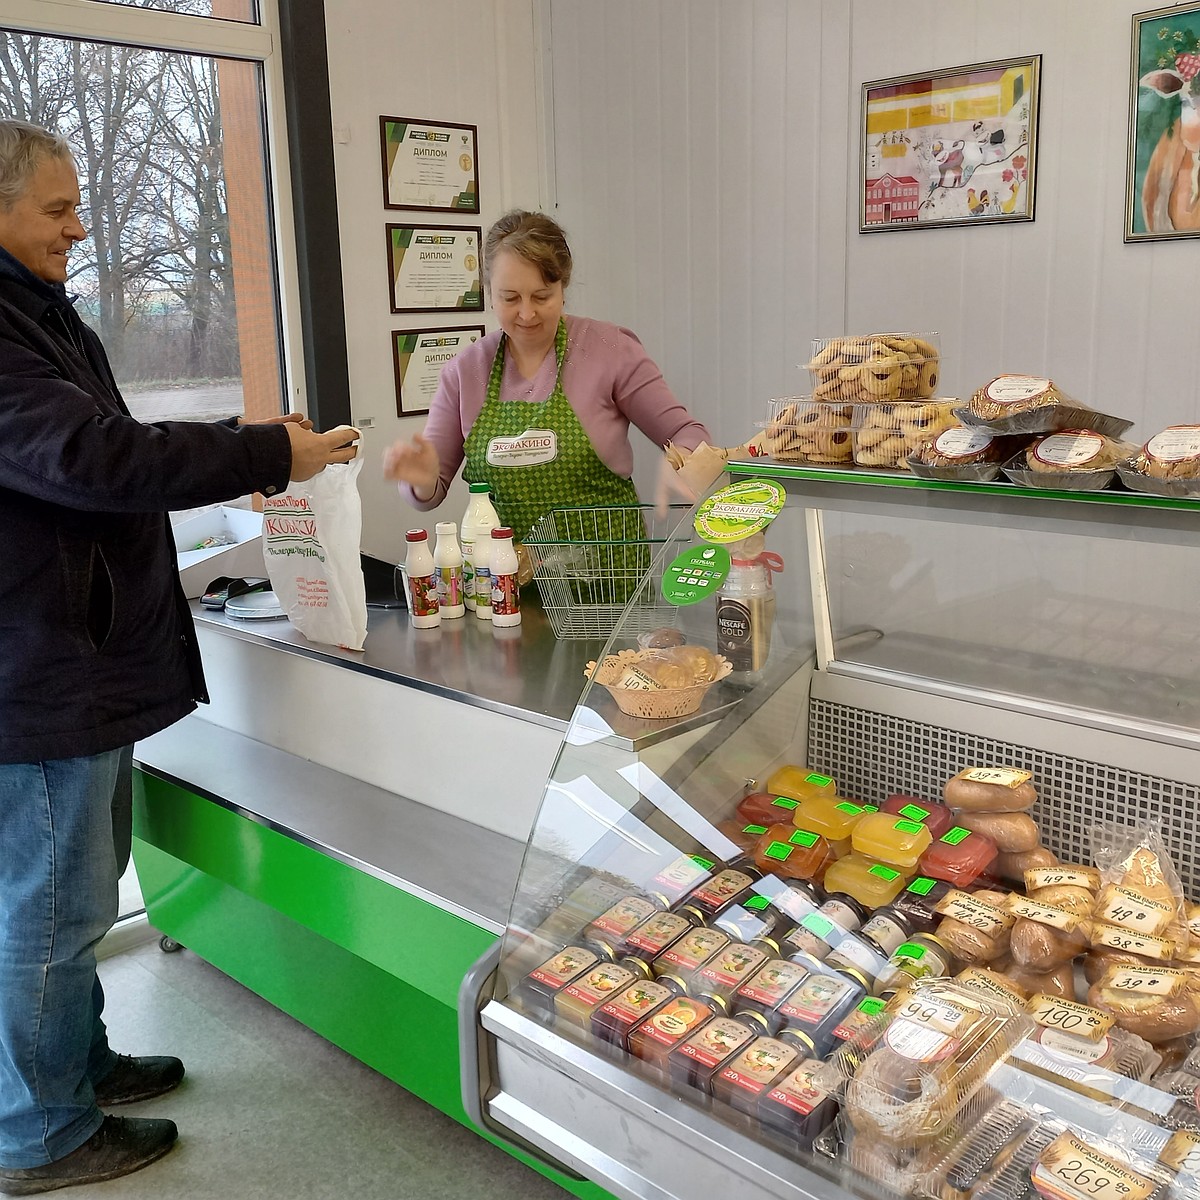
(1156, 1018)
(900, 1101)
(970, 946)
(1013, 832)
(1042, 948)
(980, 795)
(1100, 958)
(1014, 866)
(1059, 982)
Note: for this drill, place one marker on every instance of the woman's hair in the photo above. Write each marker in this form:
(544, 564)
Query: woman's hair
(536, 238)
(23, 146)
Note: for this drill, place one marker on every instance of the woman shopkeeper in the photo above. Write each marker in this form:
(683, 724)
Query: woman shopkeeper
(540, 409)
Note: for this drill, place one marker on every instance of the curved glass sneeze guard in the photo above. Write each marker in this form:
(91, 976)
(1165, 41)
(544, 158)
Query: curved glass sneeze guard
(641, 872)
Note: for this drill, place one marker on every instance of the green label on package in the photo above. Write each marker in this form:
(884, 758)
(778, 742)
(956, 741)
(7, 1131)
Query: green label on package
(695, 575)
(737, 511)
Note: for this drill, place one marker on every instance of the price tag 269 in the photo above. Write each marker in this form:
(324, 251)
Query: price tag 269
(1069, 1167)
(1182, 1152)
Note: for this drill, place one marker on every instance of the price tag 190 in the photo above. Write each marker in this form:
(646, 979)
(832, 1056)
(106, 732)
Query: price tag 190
(1080, 1019)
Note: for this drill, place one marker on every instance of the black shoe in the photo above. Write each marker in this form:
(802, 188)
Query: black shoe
(119, 1146)
(135, 1079)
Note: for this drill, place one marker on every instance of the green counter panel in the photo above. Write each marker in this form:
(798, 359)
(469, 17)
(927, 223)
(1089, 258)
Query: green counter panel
(283, 919)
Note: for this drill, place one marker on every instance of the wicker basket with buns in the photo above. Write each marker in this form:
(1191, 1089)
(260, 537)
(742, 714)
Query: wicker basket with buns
(660, 683)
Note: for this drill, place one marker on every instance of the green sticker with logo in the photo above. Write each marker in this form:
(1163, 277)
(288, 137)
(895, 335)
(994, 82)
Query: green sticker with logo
(907, 827)
(757, 830)
(815, 923)
(819, 780)
(956, 835)
(910, 950)
(922, 886)
(802, 837)
(780, 850)
(882, 872)
(757, 903)
(739, 510)
(696, 574)
(785, 802)
(853, 809)
(914, 813)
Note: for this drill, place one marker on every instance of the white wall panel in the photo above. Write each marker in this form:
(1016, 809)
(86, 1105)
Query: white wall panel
(708, 172)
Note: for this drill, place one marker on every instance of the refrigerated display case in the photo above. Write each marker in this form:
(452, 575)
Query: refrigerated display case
(921, 628)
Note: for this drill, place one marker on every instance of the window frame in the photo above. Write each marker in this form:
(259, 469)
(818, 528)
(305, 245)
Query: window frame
(263, 43)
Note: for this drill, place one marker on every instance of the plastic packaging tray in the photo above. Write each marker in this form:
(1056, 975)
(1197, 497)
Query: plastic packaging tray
(977, 472)
(1050, 420)
(875, 367)
(1182, 488)
(1065, 481)
(800, 429)
(886, 434)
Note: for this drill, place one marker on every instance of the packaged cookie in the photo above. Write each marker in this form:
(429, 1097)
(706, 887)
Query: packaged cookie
(875, 368)
(1034, 404)
(886, 434)
(1078, 460)
(800, 429)
(968, 453)
(1167, 465)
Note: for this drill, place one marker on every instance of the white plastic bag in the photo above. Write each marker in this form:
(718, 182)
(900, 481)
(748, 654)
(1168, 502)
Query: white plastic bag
(311, 538)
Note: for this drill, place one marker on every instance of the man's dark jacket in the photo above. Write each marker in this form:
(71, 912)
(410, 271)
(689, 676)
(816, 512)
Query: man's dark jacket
(97, 646)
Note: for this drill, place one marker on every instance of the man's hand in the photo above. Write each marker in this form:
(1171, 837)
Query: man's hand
(313, 452)
(414, 463)
(286, 419)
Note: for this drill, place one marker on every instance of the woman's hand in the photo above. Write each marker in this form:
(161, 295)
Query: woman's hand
(414, 463)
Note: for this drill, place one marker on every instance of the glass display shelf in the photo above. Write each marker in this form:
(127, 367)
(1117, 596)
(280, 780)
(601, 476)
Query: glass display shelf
(706, 980)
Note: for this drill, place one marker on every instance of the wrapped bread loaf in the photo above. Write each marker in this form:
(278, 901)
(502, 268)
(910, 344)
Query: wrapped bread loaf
(1075, 450)
(1172, 454)
(1008, 395)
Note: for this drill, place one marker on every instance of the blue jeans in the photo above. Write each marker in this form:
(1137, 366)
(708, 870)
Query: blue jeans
(64, 844)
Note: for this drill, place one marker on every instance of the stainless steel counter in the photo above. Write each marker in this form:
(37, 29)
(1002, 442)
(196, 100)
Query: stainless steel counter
(523, 672)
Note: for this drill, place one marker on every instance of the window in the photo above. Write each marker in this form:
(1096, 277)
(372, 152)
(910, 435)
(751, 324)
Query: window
(178, 275)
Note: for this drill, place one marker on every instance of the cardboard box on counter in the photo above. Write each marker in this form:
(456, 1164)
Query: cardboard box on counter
(243, 557)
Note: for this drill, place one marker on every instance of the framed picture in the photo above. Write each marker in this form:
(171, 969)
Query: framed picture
(419, 355)
(429, 165)
(1162, 197)
(434, 268)
(950, 147)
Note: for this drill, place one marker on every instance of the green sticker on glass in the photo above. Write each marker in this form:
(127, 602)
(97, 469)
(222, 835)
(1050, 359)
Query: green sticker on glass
(819, 780)
(696, 574)
(921, 886)
(914, 813)
(757, 830)
(739, 510)
(757, 903)
(802, 837)
(910, 950)
(882, 872)
(955, 835)
(785, 802)
(815, 923)
(854, 810)
(908, 827)
(780, 850)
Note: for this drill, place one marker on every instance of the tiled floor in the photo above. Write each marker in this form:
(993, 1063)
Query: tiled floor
(269, 1109)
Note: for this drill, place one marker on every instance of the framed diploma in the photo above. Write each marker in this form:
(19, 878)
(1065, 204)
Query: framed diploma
(419, 355)
(427, 165)
(434, 268)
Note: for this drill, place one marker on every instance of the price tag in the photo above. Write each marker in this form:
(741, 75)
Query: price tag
(991, 984)
(1182, 1152)
(1044, 914)
(934, 1014)
(1136, 943)
(1071, 1164)
(1008, 777)
(987, 918)
(1153, 981)
(1040, 877)
(1081, 1019)
(1121, 906)
(695, 575)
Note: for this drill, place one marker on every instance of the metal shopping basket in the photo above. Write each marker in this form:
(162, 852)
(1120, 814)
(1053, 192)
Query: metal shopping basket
(589, 563)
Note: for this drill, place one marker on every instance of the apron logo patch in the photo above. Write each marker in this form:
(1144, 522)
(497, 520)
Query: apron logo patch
(526, 450)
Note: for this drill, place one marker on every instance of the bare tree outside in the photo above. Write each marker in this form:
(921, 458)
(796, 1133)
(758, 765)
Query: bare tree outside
(154, 278)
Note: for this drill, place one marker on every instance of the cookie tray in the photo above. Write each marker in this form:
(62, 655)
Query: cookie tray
(1050, 419)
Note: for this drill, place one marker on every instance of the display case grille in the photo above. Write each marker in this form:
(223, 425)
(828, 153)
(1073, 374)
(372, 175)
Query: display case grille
(873, 755)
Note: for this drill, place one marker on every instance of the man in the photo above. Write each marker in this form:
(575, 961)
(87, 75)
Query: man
(97, 649)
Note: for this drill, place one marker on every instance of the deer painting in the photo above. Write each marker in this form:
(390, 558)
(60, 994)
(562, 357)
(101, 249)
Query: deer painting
(1171, 188)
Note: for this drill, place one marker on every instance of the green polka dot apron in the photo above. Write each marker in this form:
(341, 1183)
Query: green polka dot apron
(535, 456)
